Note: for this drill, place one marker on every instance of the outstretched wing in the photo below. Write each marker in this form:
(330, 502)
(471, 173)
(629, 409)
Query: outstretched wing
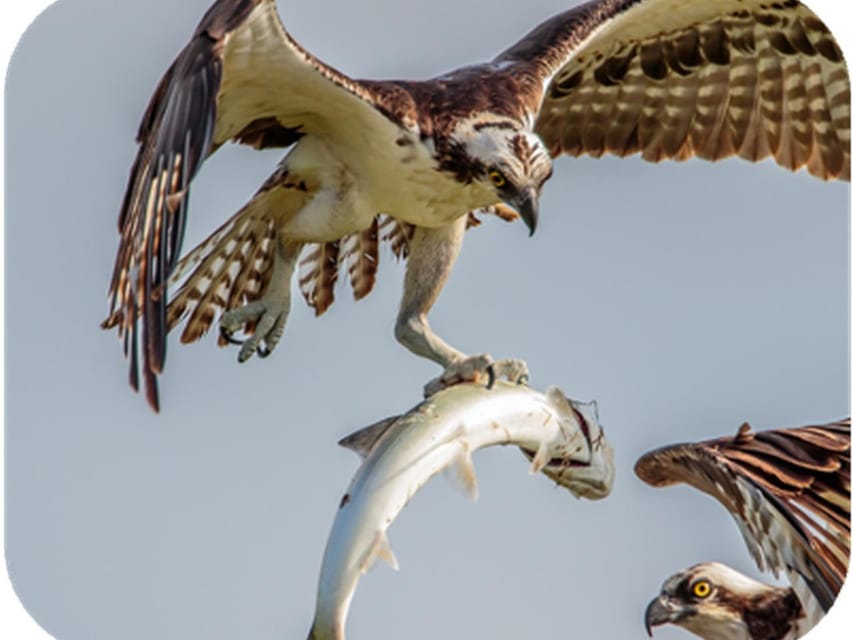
(685, 78)
(241, 77)
(788, 490)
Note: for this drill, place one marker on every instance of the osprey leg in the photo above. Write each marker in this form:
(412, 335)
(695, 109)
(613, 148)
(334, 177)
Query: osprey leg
(432, 254)
(269, 313)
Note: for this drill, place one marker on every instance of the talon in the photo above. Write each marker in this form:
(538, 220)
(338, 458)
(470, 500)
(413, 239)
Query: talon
(261, 320)
(228, 336)
(490, 372)
(523, 379)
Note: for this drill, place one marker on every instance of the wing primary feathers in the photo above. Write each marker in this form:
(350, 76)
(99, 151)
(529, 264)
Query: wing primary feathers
(174, 136)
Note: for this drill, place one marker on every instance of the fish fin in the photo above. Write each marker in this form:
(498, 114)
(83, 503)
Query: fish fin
(386, 553)
(557, 398)
(363, 440)
(381, 548)
(542, 457)
(461, 474)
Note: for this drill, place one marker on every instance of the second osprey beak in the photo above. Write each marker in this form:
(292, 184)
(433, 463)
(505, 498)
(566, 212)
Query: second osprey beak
(527, 205)
(662, 610)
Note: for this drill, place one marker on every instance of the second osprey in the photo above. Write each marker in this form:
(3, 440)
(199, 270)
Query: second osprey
(407, 161)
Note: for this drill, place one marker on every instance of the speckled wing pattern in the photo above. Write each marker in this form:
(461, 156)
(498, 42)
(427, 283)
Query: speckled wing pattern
(789, 492)
(691, 78)
(239, 67)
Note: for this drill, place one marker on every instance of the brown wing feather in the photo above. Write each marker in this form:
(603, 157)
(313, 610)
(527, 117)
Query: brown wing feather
(789, 490)
(706, 79)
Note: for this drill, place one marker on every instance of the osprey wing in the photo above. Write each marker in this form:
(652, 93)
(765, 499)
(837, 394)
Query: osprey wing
(241, 77)
(690, 78)
(788, 490)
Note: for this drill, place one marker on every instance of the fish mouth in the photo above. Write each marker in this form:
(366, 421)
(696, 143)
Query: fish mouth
(555, 464)
(568, 463)
(590, 476)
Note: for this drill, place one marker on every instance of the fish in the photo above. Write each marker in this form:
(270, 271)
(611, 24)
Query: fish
(561, 437)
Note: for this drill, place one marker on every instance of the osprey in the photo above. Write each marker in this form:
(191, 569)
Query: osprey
(718, 603)
(789, 492)
(408, 162)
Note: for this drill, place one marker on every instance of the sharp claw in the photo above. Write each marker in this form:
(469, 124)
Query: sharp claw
(524, 379)
(263, 352)
(490, 371)
(228, 336)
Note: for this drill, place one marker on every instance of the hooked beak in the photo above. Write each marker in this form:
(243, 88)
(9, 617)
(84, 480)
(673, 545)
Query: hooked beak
(527, 205)
(663, 610)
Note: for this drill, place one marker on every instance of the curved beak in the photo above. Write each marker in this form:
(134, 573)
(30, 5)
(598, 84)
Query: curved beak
(527, 205)
(663, 610)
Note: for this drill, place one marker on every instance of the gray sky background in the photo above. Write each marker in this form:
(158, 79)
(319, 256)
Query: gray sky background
(685, 298)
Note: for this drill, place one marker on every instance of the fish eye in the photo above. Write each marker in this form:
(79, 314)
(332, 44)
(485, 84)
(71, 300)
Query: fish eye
(497, 178)
(702, 589)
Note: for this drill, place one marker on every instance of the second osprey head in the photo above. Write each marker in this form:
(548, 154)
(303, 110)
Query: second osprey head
(715, 602)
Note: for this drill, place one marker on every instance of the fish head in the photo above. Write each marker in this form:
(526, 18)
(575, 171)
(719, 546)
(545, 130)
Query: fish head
(581, 460)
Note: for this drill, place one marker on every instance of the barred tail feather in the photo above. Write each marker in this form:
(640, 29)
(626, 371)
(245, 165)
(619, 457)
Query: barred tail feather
(397, 234)
(318, 273)
(360, 255)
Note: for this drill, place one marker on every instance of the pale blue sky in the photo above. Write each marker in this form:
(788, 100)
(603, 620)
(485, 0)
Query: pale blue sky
(684, 298)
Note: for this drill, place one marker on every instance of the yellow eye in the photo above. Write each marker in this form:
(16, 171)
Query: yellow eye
(702, 589)
(497, 178)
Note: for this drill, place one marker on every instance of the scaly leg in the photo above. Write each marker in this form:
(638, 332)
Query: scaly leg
(432, 254)
(269, 312)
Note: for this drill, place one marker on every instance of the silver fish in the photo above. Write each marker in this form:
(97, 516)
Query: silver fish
(561, 437)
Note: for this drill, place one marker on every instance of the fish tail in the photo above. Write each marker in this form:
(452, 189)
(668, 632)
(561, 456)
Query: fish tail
(337, 634)
(313, 635)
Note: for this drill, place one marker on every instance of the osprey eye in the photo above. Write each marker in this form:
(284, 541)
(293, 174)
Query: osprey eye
(702, 589)
(497, 178)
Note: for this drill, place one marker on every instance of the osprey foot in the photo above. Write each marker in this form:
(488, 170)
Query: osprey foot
(269, 319)
(479, 369)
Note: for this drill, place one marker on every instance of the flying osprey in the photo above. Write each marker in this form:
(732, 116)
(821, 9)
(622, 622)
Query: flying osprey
(789, 492)
(409, 161)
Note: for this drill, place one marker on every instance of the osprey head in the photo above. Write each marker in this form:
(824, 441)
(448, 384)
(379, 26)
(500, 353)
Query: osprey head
(512, 163)
(716, 602)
